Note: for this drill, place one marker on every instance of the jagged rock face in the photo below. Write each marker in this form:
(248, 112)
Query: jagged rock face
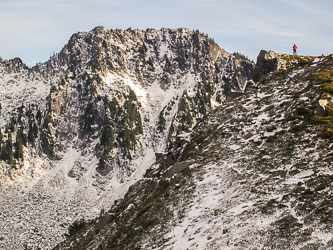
(267, 61)
(256, 174)
(86, 124)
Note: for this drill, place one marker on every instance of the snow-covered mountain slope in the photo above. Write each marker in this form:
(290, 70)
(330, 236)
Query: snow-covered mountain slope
(255, 173)
(80, 129)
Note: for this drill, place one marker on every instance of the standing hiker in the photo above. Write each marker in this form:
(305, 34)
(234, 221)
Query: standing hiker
(294, 49)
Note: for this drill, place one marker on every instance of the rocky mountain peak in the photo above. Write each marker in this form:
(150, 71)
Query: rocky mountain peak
(103, 46)
(79, 129)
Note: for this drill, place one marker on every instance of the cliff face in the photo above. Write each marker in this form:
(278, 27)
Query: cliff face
(85, 125)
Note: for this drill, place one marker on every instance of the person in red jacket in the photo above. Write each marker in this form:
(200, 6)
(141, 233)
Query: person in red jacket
(294, 49)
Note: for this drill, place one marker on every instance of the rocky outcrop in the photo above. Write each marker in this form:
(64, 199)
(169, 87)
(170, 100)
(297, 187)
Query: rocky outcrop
(267, 61)
(178, 167)
(166, 160)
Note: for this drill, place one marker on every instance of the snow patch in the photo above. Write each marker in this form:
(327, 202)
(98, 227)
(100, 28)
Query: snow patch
(241, 208)
(298, 177)
(234, 147)
(304, 174)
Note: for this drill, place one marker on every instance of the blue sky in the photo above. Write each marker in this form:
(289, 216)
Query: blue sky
(34, 29)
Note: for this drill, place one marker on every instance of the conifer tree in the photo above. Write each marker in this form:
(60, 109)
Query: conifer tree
(35, 130)
(7, 149)
(19, 147)
(171, 130)
(140, 129)
(161, 122)
(189, 119)
(112, 105)
(107, 138)
(203, 78)
(23, 136)
(31, 137)
(39, 116)
(1, 137)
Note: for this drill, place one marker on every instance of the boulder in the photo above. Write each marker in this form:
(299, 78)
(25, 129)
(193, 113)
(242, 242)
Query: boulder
(159, 156)
(77, 171)
(321, 107)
